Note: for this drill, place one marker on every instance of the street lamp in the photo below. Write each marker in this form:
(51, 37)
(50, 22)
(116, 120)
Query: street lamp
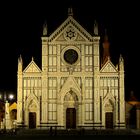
(6, 96)
(0, 96)
(11, 96)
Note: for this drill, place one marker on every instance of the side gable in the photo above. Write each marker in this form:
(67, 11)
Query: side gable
(58, 34)
(108, 67)
(32, 68)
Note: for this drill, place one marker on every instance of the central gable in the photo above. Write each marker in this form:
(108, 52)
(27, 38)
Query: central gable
(70, 30)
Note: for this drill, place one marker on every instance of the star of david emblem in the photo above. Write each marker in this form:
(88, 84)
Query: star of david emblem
(70, 34)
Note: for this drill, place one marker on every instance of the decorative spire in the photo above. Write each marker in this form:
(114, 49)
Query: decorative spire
(132, 96)
(105, 36)
(95, 28)
(121, 63)
(117, 66)
(45, 29)
(121, 58)
(20, 59)
(20, 64)
(70, 12)
(32, 58)
(20, 56)
(106, 44)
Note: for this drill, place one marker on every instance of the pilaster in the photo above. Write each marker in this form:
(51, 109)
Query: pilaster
(19, 93)
(96, 96)
(44, 97)
(121, 93)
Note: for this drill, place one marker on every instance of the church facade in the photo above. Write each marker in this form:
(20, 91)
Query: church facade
(73, 88)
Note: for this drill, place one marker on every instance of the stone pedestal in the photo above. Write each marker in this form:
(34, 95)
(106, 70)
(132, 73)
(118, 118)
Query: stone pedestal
(2, 125)
(7, 116)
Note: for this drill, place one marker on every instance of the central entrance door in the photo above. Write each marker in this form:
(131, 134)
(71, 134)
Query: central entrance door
(32, 120)
(109, 120)
(70, 118)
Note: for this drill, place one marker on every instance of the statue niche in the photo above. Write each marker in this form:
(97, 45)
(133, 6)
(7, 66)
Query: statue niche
(70, 96)
(109, 106)
(32, 106)
(71, 99)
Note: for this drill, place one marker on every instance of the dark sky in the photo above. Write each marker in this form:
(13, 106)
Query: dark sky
(21, 30)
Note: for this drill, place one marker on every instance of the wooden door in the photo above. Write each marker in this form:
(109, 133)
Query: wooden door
(32, 120)
(109, 120)
(71, 118)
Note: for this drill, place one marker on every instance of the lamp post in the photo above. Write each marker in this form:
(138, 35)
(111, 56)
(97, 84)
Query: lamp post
(6, 96)
(11, 97)
(2, 111)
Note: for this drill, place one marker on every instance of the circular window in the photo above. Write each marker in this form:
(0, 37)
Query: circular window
(70, 56)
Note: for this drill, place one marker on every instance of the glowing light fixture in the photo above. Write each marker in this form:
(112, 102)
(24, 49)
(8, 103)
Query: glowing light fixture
(0, 96)
(11, 96)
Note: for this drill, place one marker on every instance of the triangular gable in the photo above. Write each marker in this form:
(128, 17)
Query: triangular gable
(108, 97)
(108, 67)
(79, 37)
(31, 68)
(70, 84)
(82, 34)
(31, 97)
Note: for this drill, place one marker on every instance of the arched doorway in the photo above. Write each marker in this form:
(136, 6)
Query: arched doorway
(70, 104)
(32, 120)
(13, 114)
(71, 118)
(109, 120)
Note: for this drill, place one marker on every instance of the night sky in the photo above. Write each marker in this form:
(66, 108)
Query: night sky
(21, 30)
